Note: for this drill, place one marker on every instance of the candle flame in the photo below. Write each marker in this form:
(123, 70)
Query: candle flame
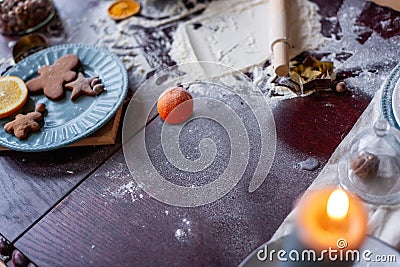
(338, 204)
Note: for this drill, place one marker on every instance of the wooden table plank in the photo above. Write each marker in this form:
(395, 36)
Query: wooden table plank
(31, 183)
(108, 215)
(108, 219)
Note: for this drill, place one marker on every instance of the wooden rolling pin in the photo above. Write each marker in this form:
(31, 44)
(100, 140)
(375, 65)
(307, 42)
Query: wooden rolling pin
(279, 38)
(395, 4)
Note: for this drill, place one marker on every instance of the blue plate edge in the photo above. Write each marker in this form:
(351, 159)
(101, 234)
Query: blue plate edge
(387, 96)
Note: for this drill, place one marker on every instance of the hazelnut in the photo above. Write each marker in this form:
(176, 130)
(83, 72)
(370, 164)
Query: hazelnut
(4, 18)
(94, 82)
(17, 10)
(19, 15)
(19, 259)
(341, 87)
(12, 22)
(98, 88)
(40, 107)
(365, 165)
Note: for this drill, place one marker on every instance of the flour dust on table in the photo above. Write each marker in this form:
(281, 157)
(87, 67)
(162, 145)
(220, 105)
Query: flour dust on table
(354, 45)
(214, 32)
(360, 45)
(235, 33)
(231, 117)
(367, 52)
(121, 186)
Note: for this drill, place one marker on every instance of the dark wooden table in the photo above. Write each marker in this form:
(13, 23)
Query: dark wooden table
(81, 207)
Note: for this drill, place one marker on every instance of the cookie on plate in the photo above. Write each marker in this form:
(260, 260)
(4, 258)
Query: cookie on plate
(23, 124)
(51, 78)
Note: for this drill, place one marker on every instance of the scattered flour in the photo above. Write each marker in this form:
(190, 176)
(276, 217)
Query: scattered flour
(130, 188)
(183, 233)
(235, 33)
(180, 234)
(242, 43)
(366, 59)
(121, 185)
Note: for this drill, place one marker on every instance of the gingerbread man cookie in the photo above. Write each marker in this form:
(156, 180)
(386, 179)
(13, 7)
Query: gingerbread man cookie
(52, 78)
(22, 125)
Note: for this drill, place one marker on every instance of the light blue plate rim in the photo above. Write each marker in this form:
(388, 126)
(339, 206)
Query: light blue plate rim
(98, 113)
(387, 96)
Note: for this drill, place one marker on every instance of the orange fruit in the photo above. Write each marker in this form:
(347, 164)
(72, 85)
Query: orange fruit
(175, 105)
(13, 95)
(123, 9)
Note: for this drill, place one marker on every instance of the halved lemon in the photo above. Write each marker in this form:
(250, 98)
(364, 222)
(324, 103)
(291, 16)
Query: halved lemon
(13, 95)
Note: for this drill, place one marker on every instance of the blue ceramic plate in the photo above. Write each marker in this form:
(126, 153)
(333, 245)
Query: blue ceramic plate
(68, 121)
(391, 98)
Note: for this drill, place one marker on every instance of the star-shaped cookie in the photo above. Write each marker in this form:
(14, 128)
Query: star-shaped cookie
(81, 86)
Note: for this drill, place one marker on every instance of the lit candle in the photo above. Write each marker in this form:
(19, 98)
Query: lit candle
(329, 223)
(337, 209)
(326, 216)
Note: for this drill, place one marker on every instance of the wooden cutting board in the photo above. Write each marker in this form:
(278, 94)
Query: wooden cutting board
(105, 136)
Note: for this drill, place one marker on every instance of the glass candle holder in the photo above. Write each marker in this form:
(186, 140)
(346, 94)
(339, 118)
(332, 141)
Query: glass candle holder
(372, 167)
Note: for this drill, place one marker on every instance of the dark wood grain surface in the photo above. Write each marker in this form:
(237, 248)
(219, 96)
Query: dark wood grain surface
(133, 229)
(107, 220)
(32, 183)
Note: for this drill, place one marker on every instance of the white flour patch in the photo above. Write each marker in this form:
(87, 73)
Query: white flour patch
(184, 231)
(235, 33)
(363, 58)
(130, 189)
(263, 77)
(122, 185)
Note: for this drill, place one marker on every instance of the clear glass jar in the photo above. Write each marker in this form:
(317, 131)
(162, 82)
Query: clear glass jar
(18, 17)
(372, 167)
